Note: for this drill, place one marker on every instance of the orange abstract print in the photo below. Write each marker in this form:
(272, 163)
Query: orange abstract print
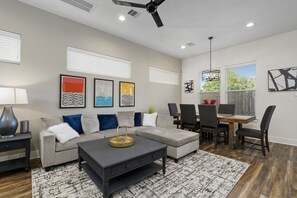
(74, 85)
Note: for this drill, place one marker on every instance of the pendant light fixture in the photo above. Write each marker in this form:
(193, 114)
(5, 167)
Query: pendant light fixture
(210, 75)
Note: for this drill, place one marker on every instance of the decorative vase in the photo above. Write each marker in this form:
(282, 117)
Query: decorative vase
(8, 123)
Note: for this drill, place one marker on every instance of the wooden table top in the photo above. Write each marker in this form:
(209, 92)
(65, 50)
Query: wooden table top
(229, 118)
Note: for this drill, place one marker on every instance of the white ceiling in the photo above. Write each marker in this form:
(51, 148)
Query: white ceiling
(185, 21)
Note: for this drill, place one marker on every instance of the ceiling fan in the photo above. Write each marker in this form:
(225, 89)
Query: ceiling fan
(151, 7)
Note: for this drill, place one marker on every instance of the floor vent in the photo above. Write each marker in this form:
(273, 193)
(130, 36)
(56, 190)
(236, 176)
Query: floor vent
(81, 4)
(133, 13)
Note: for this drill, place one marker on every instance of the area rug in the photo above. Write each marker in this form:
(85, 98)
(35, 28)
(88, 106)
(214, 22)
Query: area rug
(201, 174)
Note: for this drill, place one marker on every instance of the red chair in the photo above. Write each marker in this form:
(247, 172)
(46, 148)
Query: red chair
(205, 102)
(212, 102)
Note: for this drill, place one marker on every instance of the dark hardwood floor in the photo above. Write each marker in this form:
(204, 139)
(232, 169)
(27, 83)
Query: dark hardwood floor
(272, 176)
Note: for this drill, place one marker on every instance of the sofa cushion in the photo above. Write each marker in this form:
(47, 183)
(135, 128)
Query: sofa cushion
(63, 132)
(74, 121)
(71, 144)
(48, 122)
(113, 132)
(172, 137)
(90, 123)
(137, 119)
(107, 121)
(126, 118)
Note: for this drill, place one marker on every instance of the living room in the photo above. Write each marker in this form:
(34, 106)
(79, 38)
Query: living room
(47, 31)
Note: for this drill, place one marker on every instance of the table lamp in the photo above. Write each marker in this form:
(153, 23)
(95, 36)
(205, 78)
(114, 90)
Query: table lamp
(8, 121)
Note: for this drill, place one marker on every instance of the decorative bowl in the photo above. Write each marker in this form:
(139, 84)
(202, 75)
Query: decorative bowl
(121, 141)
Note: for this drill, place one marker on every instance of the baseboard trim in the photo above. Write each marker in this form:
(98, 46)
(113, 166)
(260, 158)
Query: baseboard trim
(33, 155)
(287, 141)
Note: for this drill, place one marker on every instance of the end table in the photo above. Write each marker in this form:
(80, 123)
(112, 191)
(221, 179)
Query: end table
(19, 141)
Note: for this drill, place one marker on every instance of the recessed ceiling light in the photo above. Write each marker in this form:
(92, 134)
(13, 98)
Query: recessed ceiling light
(182, 47)
(122, 18)
(250, 24)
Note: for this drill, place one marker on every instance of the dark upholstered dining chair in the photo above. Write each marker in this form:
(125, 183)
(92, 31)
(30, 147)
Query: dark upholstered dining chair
(173, 109)
(226, 109)
(209, 123)
(258, 134)
(189, 117)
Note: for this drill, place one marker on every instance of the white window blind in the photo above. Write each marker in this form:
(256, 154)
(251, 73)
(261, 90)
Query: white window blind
(10, 47)
(163, 76)
(89, 62)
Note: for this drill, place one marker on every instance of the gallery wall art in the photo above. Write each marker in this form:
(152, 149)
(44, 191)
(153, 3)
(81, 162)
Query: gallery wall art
(72, 91)
(103, 93)
(189, 86)
(282, 79)
(127, 94)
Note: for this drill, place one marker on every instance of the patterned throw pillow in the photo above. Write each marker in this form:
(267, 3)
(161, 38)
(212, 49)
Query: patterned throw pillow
(126, 118)
(48, 122)
(90, 123)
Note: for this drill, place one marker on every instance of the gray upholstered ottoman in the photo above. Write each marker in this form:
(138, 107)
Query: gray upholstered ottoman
(180, 142)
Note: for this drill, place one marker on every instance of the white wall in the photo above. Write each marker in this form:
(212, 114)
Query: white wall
(275, 52)
(45, 38)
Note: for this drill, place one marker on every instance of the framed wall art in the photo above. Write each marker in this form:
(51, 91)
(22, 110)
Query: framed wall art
(72, 91)
(189, 86)
(103, 93)
(127, 94)
(282, 79)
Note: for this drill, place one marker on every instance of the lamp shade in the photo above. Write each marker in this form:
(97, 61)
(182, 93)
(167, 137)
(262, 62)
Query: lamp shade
(7, 95)
(21, 96)
(13, 96)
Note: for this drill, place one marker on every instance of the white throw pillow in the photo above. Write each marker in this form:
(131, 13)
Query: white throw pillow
(90, 123)
(63, 132)
(149, 119)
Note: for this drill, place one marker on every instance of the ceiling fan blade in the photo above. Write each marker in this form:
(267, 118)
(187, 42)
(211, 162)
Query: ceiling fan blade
(157, 19)
(158, 2)
(126, 3)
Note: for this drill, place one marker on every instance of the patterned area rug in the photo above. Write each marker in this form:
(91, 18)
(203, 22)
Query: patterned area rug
(197, 175)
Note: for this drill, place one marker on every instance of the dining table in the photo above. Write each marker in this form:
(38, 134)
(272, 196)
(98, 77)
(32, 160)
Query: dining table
(231, 119)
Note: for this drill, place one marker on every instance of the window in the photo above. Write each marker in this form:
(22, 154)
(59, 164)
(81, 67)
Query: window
(241, 88)
(10, 47)
(89, 62)
(163, 76)
(209, 90)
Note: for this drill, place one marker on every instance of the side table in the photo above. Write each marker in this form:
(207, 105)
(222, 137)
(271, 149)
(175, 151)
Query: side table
(19, 141)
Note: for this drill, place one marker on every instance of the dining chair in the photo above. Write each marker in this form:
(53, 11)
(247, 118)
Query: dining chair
(189, 117)
(209, 123)
(226, 109)
(258, 134)
(173, 109)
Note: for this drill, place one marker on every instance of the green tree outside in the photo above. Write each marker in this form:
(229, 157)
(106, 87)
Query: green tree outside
(235, 82)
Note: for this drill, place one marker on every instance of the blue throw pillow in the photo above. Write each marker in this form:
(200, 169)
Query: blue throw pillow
(137, 119)
(107, 121)
(74, 121)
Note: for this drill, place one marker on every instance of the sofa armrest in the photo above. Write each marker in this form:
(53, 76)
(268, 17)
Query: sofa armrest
(165, 121)
(47, 148)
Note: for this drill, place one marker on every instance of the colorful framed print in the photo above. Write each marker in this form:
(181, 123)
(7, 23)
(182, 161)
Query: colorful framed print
(282, 79)
(127, 94)
(72, 91)
(103, 93)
